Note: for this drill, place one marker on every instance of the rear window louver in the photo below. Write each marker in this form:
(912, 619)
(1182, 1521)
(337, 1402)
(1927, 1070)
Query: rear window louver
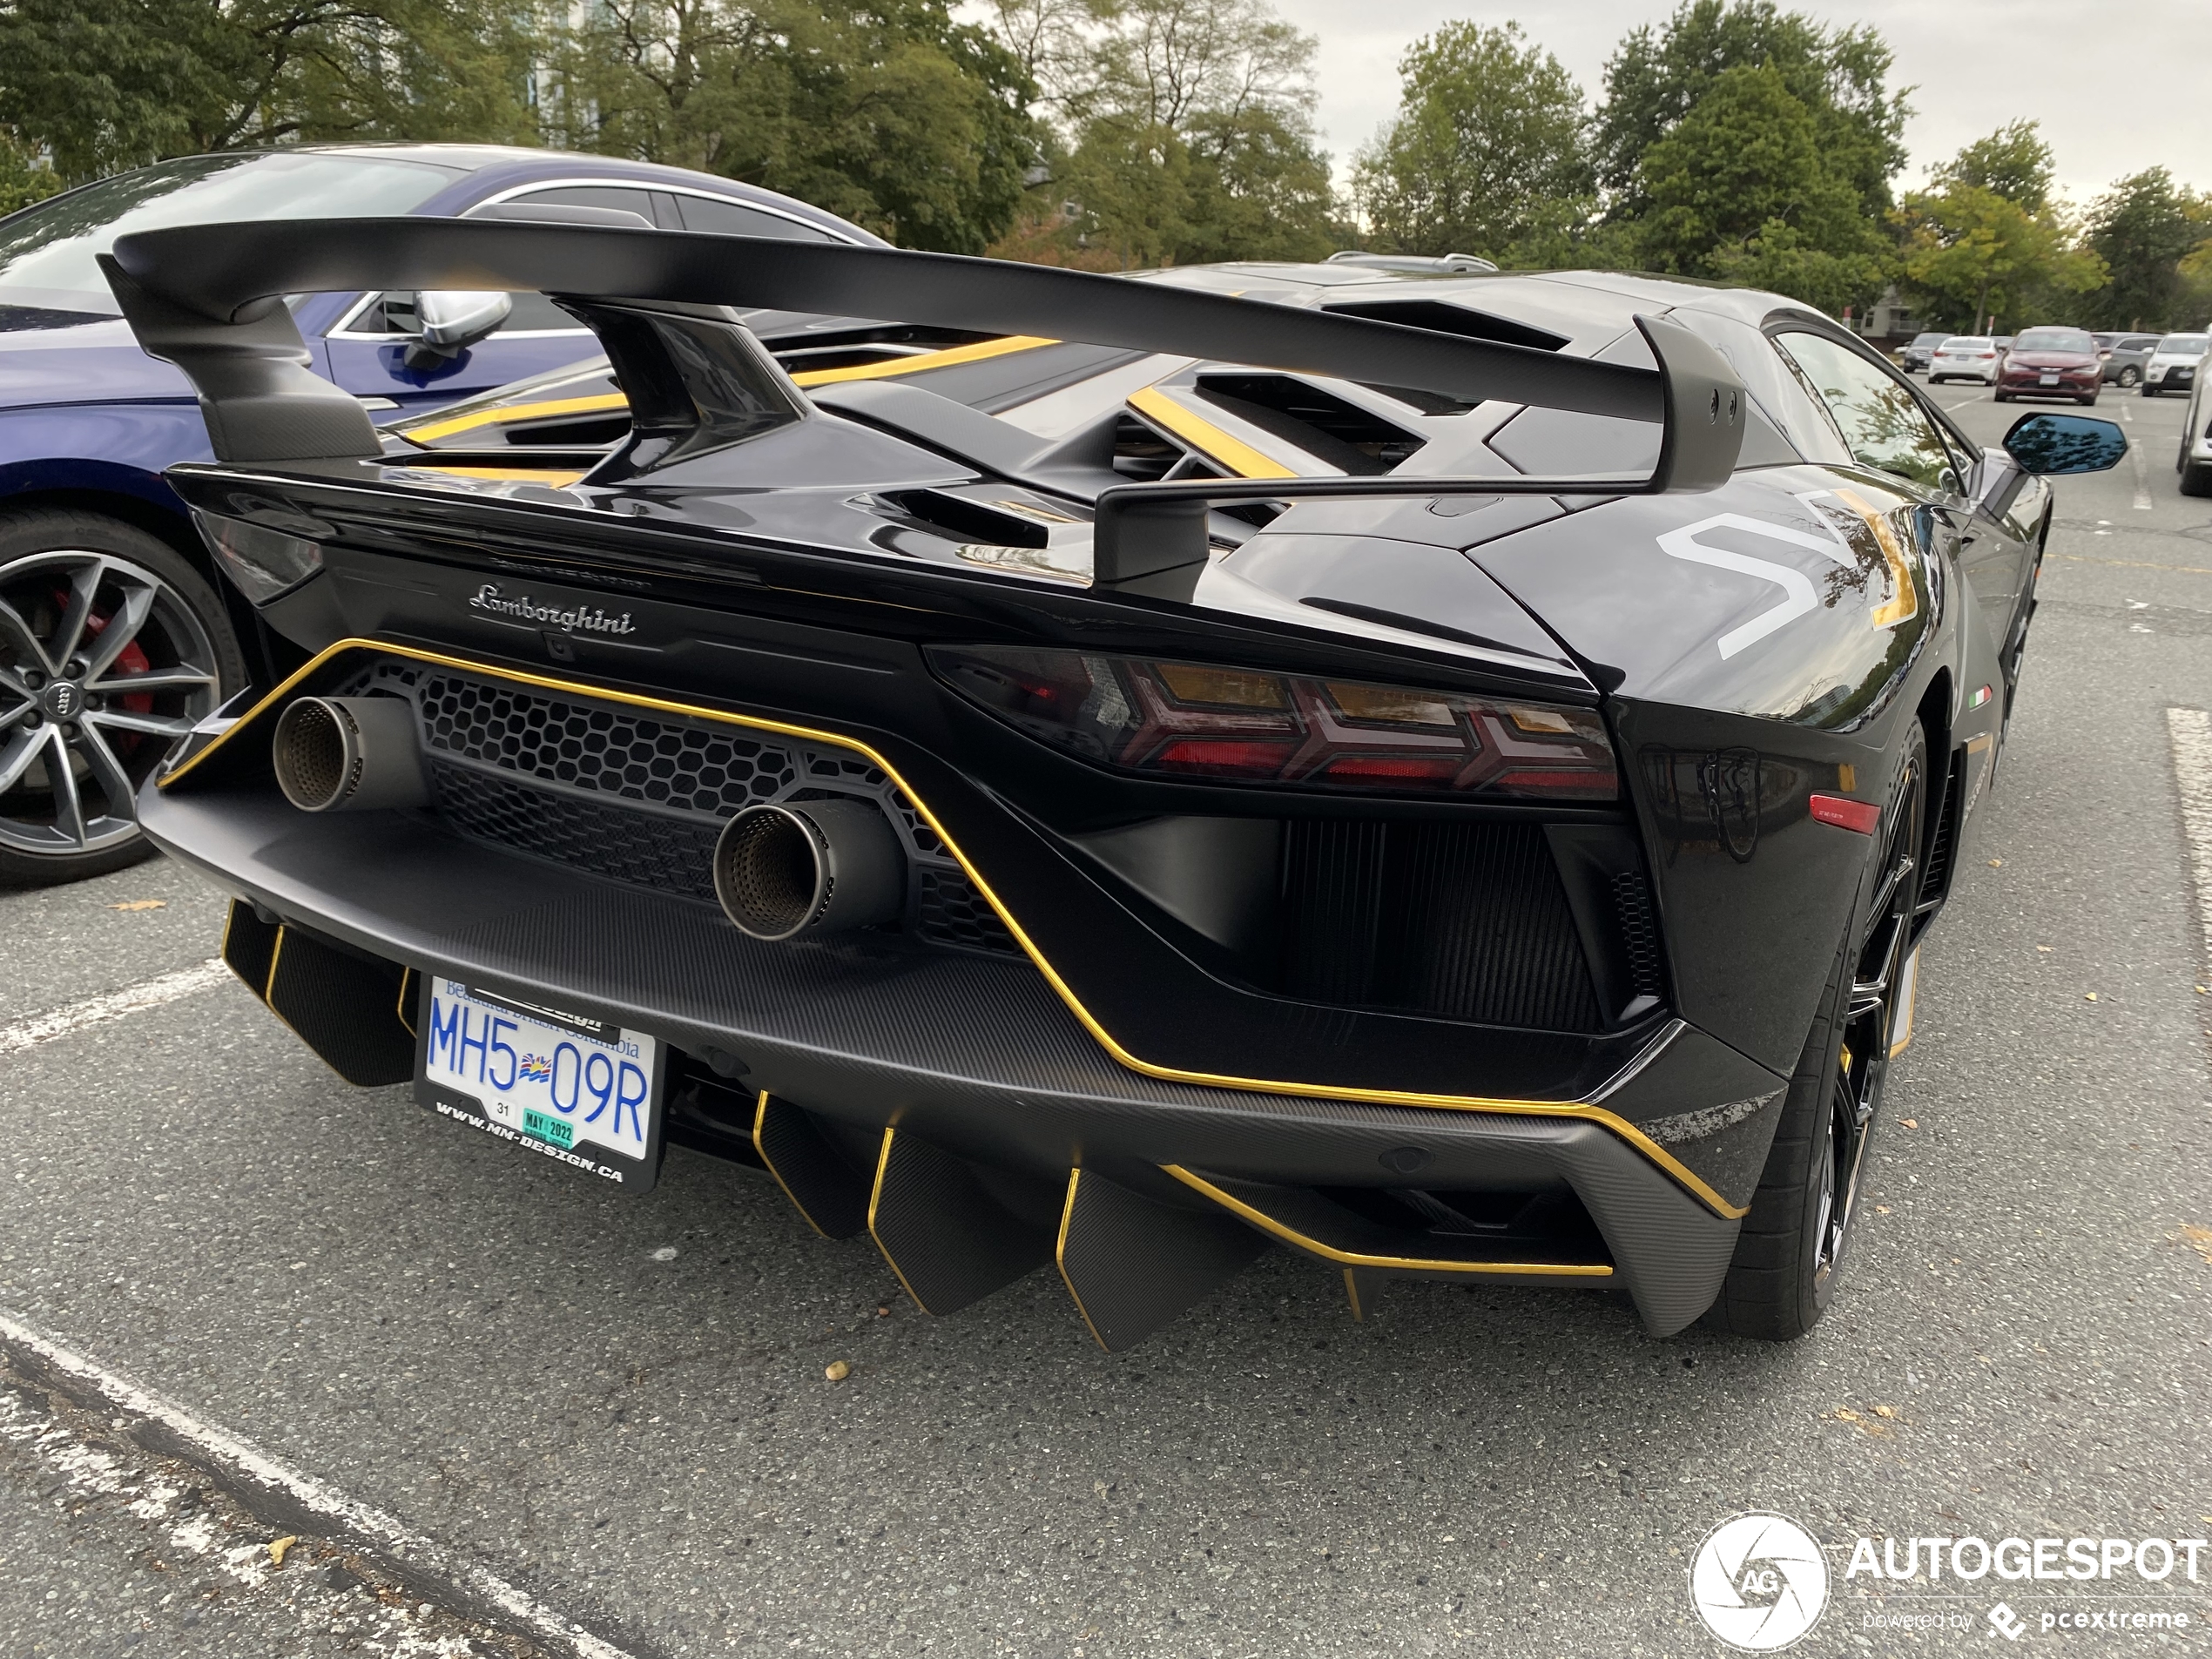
(1326, 427)
(1445, 318)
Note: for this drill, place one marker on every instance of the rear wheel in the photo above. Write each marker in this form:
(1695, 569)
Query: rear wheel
(111, 646)
(1794, 1239)
(2196, 476)
(2129, 377)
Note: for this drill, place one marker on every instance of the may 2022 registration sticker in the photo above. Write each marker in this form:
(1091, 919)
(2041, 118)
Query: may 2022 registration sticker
(580, 1091)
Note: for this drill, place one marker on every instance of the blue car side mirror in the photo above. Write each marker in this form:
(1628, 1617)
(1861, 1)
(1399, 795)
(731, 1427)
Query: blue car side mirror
(2055, 443)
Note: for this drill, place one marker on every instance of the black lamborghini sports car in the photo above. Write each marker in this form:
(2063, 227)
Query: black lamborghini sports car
(1448, 774)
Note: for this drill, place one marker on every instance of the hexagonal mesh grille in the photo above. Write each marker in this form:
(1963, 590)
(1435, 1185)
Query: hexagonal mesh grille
(949, 910)
(560, 779)
(610, 750)
(664, 853)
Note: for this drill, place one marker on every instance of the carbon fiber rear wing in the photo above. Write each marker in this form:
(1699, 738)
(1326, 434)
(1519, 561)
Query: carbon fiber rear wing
(209, 299)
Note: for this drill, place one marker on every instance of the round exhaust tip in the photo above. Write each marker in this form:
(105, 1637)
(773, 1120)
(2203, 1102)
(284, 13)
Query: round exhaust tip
(814, 866)
(313, 760)
(349, 753)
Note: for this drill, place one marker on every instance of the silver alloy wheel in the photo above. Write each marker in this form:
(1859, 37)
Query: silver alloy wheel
(104, 666)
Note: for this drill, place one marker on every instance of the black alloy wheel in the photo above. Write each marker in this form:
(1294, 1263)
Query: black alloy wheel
(1798, 1233)
(111, 647)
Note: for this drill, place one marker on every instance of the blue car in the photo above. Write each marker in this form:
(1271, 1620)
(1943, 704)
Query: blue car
(116, 634)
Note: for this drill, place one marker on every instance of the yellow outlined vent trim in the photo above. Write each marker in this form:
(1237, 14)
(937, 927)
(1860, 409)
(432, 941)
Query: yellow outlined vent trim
(1635, 1137)
(1351, 1258)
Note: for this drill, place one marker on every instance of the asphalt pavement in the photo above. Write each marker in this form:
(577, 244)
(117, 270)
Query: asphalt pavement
(613, 1411)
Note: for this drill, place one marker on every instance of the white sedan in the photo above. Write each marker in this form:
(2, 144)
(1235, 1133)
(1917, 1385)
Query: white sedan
(2171, 366)
(1965, 357)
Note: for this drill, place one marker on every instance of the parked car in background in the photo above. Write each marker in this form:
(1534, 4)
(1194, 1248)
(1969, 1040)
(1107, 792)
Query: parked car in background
(2194, 461)
(1964, 357)
(2124, 355)
(2051, 362)
(2173, 362)
(1913, 358)
(99, 564)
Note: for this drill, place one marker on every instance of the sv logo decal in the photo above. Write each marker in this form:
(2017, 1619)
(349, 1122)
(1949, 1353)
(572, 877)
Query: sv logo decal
(1799, 598)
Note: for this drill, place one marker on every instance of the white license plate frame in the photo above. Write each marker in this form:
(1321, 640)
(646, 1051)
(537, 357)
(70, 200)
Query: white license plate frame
(473, 1064)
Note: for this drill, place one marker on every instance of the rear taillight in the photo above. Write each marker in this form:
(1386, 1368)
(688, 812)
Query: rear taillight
(1214, 724)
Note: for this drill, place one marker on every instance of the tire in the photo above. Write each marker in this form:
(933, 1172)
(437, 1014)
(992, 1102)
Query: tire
(2147, 391)
(65, 576)
(2196, 477)
(2003, 397)
(2089, 402)
(2128, 377)
(1797, 1236)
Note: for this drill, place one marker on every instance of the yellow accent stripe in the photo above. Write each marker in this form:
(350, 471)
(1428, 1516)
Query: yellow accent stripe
(1352, 1295)
(951, 357)
(1060, 1256)
(601, 403)
(1351, 1258)
(1904, 602)
(596, 404)
(875, 1194)
(759, 1116)
(407, 978)
(552, 477)
(1210, 440)
(1618, 1125)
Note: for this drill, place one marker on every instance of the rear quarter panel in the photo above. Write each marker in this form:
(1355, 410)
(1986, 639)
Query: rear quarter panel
(1762, 642)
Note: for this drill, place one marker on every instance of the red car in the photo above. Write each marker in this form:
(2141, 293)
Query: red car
(2051, 362)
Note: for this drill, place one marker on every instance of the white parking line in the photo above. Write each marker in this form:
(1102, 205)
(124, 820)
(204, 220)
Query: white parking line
(2135, 458)
(2191, 731)
(346, 1514)
(98, 1010)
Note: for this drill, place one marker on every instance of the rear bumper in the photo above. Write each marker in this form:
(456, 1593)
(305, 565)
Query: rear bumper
(977, 1054)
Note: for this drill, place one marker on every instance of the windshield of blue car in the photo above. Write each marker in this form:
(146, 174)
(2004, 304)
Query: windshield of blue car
(47, 251)
(2183, 345)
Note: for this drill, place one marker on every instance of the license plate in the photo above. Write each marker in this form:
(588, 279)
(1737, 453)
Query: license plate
(2049, 379)
(580, 1091)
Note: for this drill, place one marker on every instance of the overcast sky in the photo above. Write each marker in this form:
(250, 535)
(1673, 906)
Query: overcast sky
(2118, 86)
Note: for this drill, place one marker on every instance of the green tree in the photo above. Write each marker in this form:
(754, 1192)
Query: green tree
(111, 83)
(888, 111)
(2142, 228)
(1740, 189)
(2012, 162)
(1176, 130)
(1975, 260)
(1655, 78)
(22, 181)
(1485, 155)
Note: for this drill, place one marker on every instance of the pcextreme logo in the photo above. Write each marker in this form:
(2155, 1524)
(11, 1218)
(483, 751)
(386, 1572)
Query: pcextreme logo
(1759, 1582)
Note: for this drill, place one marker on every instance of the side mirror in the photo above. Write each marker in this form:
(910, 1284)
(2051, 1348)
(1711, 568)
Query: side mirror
(2044, 444)
(450, 321)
